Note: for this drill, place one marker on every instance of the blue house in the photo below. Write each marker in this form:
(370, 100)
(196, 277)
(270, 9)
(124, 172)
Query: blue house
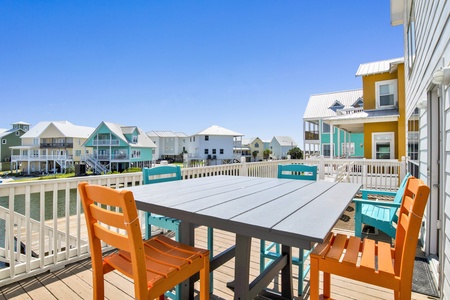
(117, 148)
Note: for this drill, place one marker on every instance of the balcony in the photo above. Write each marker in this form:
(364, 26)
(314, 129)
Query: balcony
(56, 145)
(311, 135)
(106, 142)
(63, 243)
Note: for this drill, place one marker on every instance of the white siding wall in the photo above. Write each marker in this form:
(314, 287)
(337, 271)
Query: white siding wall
(432, 33)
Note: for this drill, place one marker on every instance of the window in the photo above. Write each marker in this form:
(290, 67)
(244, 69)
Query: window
(206, 137)
(337, 105)
(4, 141)
(221, 151)
(326, 150)
(206, 151)
(348, 148)
(135, 139)
(325, 128)
(413, 136)
(77, 152)
(383, 145)
(358, 103)
(213, 151)
(386, 93)
(256, 145)
(17, 133)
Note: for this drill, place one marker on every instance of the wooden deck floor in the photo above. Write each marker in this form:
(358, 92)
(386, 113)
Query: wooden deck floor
(74, 281)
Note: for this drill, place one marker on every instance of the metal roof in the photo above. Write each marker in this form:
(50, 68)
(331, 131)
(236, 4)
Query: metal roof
(355, 122)
(319, 105)
(65, 128)
(378, 67)
(285, 140)
(217, 130)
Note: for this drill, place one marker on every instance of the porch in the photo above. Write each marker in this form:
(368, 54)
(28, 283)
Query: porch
(75, 280)
(60, 242)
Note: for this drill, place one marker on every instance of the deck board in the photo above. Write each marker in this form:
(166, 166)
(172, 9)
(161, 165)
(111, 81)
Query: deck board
(75, 280)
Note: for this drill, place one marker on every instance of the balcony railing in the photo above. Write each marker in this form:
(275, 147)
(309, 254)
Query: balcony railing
(57, 145)
(44, 226)
(348, 111)
(106, 142)
(40, 157)
(311, 135)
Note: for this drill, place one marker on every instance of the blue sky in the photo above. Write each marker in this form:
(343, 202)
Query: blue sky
(248, 66)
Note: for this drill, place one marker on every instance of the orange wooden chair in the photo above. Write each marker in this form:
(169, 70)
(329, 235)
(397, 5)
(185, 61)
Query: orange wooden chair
(155, 265)
(371, 262)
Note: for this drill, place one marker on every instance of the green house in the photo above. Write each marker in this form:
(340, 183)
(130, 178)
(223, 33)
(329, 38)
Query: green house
(10, 138)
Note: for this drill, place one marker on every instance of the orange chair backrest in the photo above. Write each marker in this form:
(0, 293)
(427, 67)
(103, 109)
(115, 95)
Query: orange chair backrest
(409, 222)
(105, 208)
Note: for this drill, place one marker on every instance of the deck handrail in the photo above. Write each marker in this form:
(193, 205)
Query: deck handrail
(45, 215)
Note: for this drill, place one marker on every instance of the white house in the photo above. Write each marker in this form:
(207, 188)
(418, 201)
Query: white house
(50, 147)
(426, 29)
(280, 145)
(169, 144)
(215, 144)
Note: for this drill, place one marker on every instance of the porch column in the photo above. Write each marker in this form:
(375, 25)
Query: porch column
(331, 140)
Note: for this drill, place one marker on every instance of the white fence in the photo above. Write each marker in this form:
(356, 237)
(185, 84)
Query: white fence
(43, 228)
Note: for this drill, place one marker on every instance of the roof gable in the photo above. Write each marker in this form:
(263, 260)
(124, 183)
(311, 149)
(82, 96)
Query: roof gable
(217, 130)
(319, 105)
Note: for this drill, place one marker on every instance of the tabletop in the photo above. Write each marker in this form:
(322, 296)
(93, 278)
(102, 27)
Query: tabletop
(291, 212)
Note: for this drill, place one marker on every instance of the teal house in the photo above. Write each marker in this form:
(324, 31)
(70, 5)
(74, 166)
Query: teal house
(116, 148)
(317, 133)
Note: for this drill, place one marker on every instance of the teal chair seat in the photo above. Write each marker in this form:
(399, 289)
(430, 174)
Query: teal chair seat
(269, 251)
(165, 174)
(382, 215)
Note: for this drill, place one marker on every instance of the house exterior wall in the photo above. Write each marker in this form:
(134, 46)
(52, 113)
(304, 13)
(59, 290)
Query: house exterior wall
(371, 128)
(217, 143)
(257, 145)
(339, 140)
(370, 100)
(430, 51)
(11, 139)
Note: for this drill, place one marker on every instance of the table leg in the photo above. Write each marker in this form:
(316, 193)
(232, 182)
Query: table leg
(286, 274)
(187, 237)
(242, 267)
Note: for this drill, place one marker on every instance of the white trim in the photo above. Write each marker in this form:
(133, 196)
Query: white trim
(391, 140)
(392, 83)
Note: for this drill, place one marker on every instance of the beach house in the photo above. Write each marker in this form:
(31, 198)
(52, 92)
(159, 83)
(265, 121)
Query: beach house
(169, 145)
(9, 138)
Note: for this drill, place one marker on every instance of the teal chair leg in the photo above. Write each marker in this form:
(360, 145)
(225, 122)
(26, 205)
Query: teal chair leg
(211, 255)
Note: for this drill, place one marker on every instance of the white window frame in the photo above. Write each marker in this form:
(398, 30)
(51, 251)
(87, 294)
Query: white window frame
(348, 148)
(393, 83)
(323, 149)
(4, 141)
(323, 128)
(390, 137)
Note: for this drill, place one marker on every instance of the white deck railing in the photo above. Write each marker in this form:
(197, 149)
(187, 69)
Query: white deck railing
(44, 227)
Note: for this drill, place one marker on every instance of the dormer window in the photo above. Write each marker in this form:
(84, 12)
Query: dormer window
(337, 105)
(358, 103)
(386, 93)
(135, 139)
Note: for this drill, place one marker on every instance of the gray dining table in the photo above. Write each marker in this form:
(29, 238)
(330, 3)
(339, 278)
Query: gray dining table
(294, 213)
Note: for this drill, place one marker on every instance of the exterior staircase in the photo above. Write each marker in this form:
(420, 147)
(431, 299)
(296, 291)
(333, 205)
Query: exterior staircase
(96, 165)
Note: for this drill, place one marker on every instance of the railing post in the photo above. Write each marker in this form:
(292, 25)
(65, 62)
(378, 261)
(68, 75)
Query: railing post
(244, 168)
(364, 173)
(403, 168)
(321, 168)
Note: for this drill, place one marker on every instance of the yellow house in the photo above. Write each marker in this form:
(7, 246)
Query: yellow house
(382, 119)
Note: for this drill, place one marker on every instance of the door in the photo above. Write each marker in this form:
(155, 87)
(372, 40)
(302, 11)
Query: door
(434, 174)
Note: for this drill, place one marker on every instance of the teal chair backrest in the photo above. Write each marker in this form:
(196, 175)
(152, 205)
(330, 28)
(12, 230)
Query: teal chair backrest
(399, 196)
(302, 172)
(161, 174)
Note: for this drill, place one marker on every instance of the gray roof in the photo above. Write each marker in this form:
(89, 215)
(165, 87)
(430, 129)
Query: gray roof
(217, 130)
(319, 104)
(377, 67)
(285, 141)
(167, 133)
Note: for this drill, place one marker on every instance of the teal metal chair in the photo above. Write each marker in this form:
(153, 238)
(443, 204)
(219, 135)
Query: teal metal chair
(165, 174)
(271, 251)
(382, 215)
